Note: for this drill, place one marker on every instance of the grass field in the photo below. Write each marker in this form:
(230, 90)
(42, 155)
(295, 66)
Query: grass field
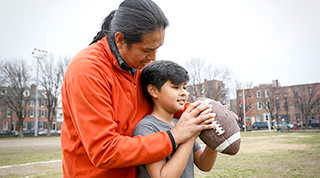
(262, 154)
(293, 154)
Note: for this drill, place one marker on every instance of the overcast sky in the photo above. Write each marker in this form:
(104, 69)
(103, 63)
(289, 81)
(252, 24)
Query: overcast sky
(259, 40)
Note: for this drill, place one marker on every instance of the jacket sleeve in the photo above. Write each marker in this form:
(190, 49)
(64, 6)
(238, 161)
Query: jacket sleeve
(91, 110)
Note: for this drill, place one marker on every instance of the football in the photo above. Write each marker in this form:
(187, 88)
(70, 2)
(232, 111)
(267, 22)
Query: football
(225, 137)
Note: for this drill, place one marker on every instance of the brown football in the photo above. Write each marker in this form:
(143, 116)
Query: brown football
(225, 137)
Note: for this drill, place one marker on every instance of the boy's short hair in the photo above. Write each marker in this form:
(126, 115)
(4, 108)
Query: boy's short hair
(159, 72)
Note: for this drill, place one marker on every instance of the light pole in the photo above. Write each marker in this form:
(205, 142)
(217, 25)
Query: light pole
(39, 54)
(244, 111)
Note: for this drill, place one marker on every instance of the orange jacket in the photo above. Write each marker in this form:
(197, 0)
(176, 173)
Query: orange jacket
(101, 106)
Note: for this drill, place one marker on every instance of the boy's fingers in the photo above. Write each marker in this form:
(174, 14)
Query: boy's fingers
(235, 116)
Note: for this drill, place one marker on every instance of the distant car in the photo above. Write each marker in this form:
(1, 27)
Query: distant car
(4, 132)
(260, 125)
(28, 132)
(288, 124)
(242, 126)
(45, 132)
(313, 123)
(58, 132)
(14, 132)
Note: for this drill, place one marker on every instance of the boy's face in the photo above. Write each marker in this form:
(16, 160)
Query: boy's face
(172, 97)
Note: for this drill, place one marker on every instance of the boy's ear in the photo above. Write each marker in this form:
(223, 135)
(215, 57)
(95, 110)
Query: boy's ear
(153, 91)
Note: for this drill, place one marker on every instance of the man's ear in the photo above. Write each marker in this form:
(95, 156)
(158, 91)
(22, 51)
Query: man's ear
(153, 91)
(119, 39)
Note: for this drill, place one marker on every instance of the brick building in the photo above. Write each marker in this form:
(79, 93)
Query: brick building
(213, 89)
(275, 103)
(9, 119)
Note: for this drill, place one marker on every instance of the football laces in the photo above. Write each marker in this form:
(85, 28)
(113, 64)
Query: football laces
(219, 130)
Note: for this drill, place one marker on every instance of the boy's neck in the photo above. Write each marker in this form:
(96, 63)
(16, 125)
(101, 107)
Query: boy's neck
(163, 115)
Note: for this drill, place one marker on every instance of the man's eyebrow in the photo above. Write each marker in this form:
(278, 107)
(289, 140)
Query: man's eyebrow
(150, 48)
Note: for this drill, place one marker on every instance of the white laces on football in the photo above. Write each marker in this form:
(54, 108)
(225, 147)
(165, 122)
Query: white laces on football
(218, 128)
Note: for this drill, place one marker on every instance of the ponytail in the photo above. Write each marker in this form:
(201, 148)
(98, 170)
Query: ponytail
(104, 27)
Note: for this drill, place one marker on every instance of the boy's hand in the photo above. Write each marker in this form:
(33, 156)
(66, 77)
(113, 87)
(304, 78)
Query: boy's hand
(192, 121)
(234, 115)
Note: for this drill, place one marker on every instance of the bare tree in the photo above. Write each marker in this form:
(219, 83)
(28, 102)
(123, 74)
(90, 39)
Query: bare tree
(306, 99)
(219, 82)
(16, 75)
(208, 80)
(62, 65)
(196, 70)
(51, 80)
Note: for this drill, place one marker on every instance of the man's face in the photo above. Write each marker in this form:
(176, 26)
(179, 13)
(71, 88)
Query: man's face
(140, 54)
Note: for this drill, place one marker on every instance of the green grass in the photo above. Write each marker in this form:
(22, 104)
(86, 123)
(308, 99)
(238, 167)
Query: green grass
(29, 155)
(290, 155)
(262, 154)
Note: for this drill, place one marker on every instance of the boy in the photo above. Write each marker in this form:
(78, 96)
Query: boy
(164, 85)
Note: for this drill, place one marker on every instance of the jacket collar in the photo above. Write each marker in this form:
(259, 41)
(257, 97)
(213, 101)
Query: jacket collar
(123, 65)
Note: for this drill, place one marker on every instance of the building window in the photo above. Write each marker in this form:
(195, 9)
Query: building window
(295, 94)
(258, 117)
(240, 95)
(202, 89)
(286, 106)
(249, 94)
(31, 113)
(285, 96)
(5, 125)
(250, 106)
(266, 93)
(42, 113)
(26, 93)
(25, 125)
(40, 125)
(23, 113)
(278, 106)
(42, 103)
(296, 104)
(241, 106)
(259, 94)
(259, 104)
(8, 113)
(267, 104)
(310, 90)
(277, 96)
(3, 91)
(31, 103)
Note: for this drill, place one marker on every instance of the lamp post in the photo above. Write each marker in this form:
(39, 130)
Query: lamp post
(39, 54)
(244, 111)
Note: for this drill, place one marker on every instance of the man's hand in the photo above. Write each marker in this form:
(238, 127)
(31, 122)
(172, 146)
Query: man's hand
(192, 121)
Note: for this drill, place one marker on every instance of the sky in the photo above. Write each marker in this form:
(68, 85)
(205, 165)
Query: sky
(259, 40)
